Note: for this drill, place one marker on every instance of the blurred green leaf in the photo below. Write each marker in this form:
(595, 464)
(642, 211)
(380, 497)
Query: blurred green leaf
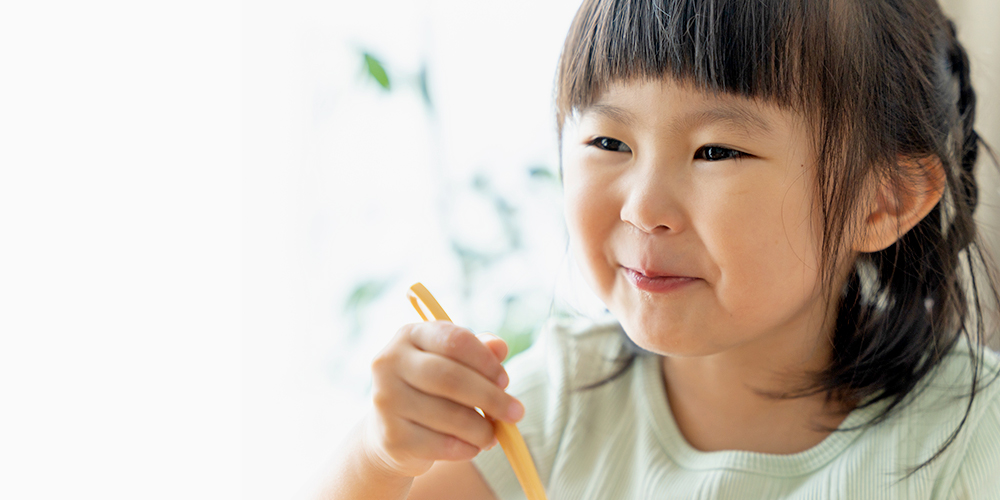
(376, 70)
(481, 183)
(505, 210)
(518, 325)
(425, 90)
(508, 218)
(541, 173)
(517, 343)
(362, 296)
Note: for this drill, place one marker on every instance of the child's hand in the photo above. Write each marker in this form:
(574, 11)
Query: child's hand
(426, 384)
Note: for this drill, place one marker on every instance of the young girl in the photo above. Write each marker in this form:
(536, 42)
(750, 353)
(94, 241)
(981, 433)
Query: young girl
(774, 200)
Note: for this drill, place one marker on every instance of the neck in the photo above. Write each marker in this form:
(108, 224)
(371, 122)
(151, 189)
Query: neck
(728, 401)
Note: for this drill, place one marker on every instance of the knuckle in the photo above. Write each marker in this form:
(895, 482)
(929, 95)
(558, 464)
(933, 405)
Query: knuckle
(384, 362)
(406, 331)
(389, 354)
(382, 400)
(380, 360)
(452, 341)
(395, 439)
(403, 335)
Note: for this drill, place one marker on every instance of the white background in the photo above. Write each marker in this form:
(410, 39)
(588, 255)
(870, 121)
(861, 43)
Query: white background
(189, 191)
(120, 250)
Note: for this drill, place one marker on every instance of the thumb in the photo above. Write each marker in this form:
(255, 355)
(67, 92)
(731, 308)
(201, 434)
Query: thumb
(497, 346)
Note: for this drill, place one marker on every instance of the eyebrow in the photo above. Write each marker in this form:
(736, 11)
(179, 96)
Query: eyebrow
(734, 115)
(620, 115)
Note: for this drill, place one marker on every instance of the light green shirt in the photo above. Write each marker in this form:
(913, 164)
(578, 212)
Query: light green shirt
(620, 441)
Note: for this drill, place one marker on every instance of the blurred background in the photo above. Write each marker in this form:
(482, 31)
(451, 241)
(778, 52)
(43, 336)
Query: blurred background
(210, 213)
(414, 141)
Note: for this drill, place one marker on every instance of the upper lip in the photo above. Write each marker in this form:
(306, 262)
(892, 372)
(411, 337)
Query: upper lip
(650, 272)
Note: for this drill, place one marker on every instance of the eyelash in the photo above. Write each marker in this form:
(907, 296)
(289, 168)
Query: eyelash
(602, 143)
(609, 144)
(731, 154)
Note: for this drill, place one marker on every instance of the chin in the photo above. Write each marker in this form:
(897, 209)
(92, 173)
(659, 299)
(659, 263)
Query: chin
(668, 341)
(656, 340)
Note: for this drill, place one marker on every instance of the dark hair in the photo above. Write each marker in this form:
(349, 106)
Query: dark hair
(880, 81)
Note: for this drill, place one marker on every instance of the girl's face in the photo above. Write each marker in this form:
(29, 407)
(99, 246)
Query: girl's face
(693, 218)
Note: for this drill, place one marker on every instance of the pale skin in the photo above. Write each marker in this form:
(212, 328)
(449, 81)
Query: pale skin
(734, 227)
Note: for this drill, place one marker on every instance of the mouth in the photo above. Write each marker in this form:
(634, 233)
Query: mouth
(651, 281)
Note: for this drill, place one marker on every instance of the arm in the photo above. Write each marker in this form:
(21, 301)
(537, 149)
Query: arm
(356, 475)
(363, 479)
(458, 480)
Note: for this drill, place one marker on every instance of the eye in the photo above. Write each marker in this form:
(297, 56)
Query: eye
(609, 144)
(718, 153)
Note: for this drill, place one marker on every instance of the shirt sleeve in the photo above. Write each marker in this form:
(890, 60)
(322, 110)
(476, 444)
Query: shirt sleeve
(538, 380)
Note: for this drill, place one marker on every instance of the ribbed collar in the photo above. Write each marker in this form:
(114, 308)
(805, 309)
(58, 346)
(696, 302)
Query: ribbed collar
(654, 405)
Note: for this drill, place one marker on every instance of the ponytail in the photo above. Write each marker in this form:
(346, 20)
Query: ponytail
(905, 307)
(958, 61)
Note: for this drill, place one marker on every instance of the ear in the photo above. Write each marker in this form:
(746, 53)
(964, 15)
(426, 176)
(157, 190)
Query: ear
(898, 206)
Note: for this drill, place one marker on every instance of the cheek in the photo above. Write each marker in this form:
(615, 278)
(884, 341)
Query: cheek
(765, 244)
(576, 210)
(590, 219)
(586, 199)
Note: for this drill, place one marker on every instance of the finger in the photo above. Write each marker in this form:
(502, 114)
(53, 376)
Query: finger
(443, 416)
(495, 344)
(404, 439)
(459, 344)
(440, 376)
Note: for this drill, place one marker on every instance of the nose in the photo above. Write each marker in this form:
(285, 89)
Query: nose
(651, 199)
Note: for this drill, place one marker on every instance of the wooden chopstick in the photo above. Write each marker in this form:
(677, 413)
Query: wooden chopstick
(508, 436)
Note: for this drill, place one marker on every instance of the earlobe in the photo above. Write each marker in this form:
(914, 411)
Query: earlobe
(899, 204)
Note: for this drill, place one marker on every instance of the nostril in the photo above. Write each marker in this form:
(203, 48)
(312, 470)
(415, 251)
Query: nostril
(652, 207)
(648, 221)
(647, 228)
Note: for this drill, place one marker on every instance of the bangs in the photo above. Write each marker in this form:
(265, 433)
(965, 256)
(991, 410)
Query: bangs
(748, 48)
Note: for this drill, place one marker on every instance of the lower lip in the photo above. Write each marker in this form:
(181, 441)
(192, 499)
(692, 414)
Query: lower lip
(656, 285)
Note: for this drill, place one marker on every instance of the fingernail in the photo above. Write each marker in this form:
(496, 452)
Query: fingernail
(515, 411)
(492, 444)
(503, 380)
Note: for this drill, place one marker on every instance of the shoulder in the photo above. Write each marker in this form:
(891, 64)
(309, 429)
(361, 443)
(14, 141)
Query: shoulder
(977, 457)
(944, 394)
(949, 387)
(939, 443)
(947, 414)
